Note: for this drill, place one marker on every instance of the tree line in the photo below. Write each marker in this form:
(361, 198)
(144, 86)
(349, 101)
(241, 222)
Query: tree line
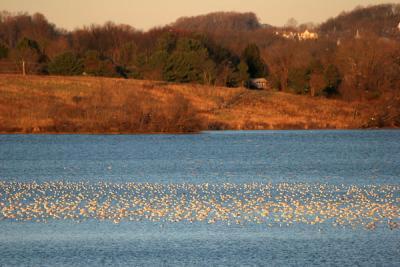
(113, 50)
(356, 57)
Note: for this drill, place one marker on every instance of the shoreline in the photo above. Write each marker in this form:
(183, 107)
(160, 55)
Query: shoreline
(200, 132)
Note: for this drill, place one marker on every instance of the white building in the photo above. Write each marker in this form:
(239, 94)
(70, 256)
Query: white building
(306, 35)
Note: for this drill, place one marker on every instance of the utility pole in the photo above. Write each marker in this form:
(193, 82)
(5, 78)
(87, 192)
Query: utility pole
(23, 68)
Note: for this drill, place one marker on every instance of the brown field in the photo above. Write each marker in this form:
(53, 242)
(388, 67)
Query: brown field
(47, 104)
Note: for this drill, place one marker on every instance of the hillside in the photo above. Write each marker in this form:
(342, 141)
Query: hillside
(221, 49)
(381, 20)
(46, 104)
(219, 21)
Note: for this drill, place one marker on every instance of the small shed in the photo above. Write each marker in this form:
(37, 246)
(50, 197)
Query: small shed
(258, 83)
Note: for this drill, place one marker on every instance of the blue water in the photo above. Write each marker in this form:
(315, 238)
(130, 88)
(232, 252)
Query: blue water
(358, 158)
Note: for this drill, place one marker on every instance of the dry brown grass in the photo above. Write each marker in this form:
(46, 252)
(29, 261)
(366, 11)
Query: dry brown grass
(106, 105)
(275, 110)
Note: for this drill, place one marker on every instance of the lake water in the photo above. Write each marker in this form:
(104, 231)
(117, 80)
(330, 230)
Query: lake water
(259, 198)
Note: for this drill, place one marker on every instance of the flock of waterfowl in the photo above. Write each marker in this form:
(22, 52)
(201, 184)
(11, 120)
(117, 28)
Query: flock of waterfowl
(367, 206)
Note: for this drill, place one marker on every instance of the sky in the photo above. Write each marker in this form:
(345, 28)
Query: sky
(144, 14)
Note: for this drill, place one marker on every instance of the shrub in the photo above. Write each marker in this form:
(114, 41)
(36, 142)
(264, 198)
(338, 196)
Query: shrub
(332, 79)
(97, 65)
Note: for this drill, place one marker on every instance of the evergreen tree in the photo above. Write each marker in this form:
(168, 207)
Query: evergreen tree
(257, 67)
(190, 62)
(167, 42)
(66, 64)
(3, 51)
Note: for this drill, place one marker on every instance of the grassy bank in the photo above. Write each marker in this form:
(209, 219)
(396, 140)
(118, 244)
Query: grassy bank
(45, 104)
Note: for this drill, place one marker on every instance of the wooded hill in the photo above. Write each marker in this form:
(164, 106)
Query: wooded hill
(219, 22)
(381, 21)
(356, 57)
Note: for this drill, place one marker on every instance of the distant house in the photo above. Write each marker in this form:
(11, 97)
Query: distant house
(306, 35)
(301, 36)
(258, 83)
